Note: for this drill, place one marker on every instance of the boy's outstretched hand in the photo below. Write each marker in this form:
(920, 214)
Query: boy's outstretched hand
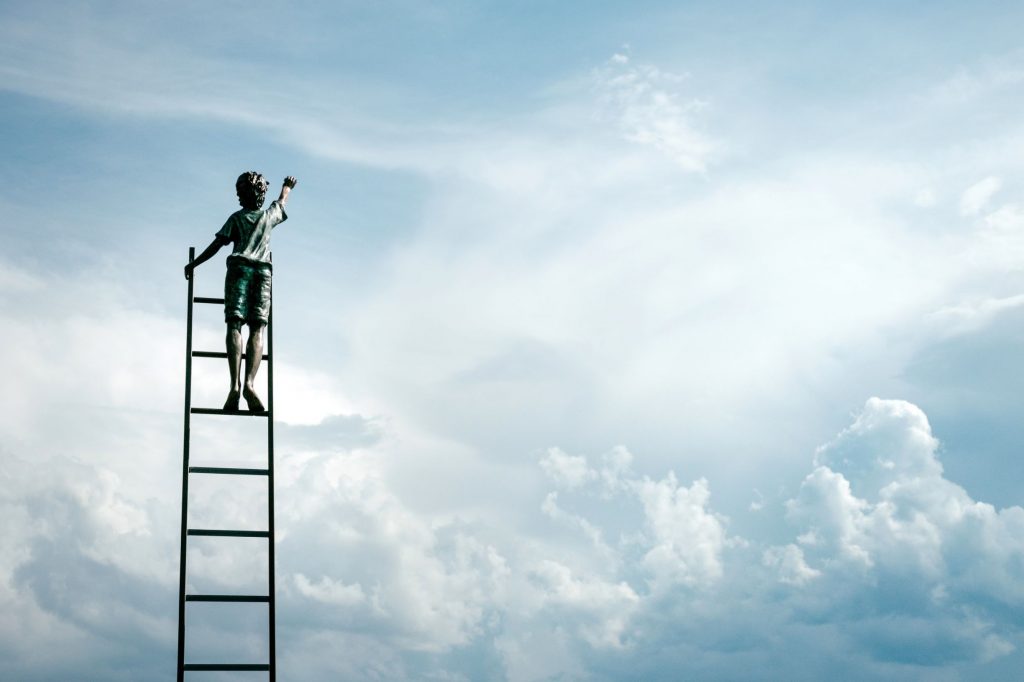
(286, 187)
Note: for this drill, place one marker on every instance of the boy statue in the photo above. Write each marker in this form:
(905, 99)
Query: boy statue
(247, 283)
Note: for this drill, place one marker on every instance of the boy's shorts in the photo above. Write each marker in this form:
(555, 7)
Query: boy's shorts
(247, 291)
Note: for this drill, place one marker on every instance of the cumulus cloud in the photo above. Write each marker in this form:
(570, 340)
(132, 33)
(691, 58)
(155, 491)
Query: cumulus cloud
(790, 563)
(888, 556)
(429, 585)
(888, 535)
(82, 575)
(687, 539)
(568, 470)
(682, 539)
(609, 604)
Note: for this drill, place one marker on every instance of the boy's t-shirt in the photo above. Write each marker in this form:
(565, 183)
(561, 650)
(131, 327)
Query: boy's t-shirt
(249, 231)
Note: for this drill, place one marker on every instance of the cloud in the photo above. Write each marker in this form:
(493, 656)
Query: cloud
(567, 470)
(647, 105)
(83, 576)
(967, 86)
(342, 431)
(973, 316)
(608, 604)
(129, 68)
(426, 586)
(550, 508)
(572, 277)
(976, 197)
(330, 592)
(890, 441)
(891, 562)
(790, 563)
(687, 538)
(682, 539)
(890, 537)
(89, 491)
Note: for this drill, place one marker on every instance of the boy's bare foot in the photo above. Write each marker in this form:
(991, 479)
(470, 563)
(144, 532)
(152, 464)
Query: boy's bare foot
(252, 400)
(232, 402)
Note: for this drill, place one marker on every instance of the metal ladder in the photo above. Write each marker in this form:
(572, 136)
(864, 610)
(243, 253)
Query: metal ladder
(187, 470)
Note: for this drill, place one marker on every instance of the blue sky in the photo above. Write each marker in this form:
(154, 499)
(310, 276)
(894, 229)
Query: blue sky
(614, 341)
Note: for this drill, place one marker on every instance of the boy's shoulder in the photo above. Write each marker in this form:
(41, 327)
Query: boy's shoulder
(234, 222)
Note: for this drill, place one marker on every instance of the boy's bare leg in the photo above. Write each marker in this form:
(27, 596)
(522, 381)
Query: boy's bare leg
(253, 355)
(234, 348)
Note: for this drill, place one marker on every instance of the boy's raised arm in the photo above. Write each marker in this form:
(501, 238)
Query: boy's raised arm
(206, 255)
(286, 188)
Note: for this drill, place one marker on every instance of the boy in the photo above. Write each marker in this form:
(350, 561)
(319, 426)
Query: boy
(247, 283)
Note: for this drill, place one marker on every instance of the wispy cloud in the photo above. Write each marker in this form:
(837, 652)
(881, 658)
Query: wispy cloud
(977, 196)
(650, 107)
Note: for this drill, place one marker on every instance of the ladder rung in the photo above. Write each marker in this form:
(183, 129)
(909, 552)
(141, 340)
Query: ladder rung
(230, 533)
(227, 597)
(228, 666)
(238, 413)
(229, 470)
(215, 354)
(207, 299)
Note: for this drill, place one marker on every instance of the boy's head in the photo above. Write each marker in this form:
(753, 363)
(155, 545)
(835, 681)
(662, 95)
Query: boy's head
(252, 190)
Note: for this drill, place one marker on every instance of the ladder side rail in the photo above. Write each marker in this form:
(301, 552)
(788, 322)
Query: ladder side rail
(184, 476)
(271, 592)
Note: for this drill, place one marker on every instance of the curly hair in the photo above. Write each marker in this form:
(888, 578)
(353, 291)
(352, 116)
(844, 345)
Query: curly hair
(252, 190)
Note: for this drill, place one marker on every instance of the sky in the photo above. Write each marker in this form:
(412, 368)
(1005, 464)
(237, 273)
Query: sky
(613, 341)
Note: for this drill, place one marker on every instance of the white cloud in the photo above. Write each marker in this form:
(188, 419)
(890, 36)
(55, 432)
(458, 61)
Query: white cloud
(610, 604)
(879, 516)
(430, 584)
(890, 441)
(539, 655)
(330, 591)
(976, 197)
(790, 563)
(884, 538)
(592, 532)
(967, 86)
(83, 568)
(567, 470)
(1006, 220)
(891, 557)
(647, 106)
(14, 279)
(682, 539)
(972, 316)
(687, 538)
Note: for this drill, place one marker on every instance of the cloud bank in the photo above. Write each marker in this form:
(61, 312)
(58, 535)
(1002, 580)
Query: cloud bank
(891, 569)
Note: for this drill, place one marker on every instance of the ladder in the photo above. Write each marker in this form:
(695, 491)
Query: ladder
(187, 470)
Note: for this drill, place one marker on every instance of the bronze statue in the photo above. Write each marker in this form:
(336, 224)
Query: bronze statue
(247, 283)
